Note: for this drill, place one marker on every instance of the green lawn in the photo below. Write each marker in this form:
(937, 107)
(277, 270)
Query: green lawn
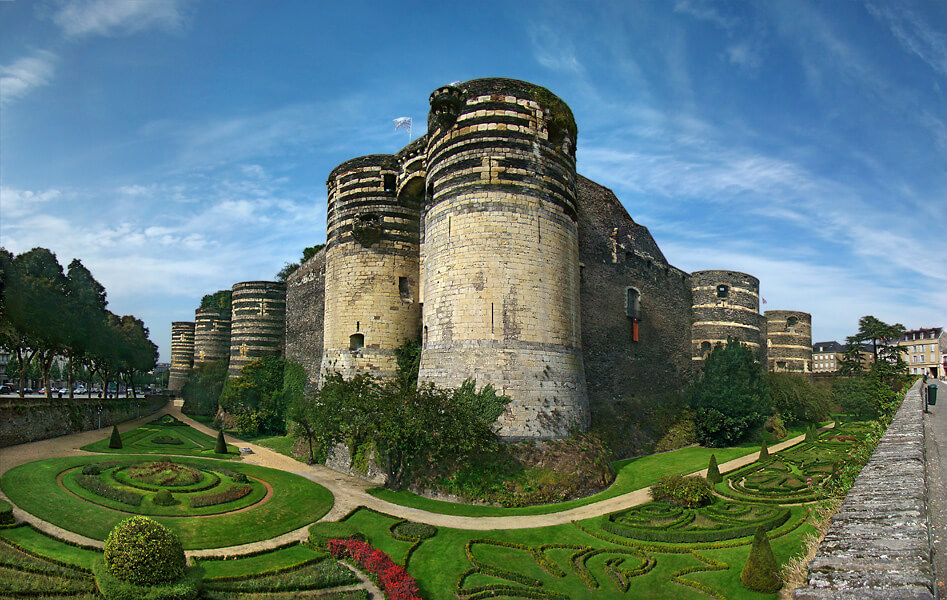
(284, 558)
(38, 543)
(161, 437)
(296, 502)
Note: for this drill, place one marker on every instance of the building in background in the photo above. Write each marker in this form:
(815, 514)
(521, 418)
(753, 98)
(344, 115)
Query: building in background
(926, 351)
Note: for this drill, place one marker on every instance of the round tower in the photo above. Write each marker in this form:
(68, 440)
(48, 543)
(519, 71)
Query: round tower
(500, 262)
(211, 335)
(789, 341)
(258, 322)
(726, 305)
(182, 354)
(371, 272)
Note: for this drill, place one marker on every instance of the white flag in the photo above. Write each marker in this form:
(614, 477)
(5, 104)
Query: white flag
(403, 123)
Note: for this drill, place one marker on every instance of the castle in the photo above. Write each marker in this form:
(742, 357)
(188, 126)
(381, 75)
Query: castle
(481, 240)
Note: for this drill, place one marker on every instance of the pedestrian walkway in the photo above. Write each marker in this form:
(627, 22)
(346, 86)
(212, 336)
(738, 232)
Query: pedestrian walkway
(935, 443)
(349, 492)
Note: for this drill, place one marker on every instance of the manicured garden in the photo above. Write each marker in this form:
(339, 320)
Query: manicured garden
(164, 435)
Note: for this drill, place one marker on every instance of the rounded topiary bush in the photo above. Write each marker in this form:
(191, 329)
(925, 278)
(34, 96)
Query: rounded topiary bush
(163, 498)
(144, 552)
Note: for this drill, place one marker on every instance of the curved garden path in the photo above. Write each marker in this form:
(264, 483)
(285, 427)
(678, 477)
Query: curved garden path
(349, 492)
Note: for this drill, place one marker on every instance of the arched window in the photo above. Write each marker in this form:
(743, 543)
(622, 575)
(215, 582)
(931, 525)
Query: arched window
(632, 303)
(356, 341)
(705, 349)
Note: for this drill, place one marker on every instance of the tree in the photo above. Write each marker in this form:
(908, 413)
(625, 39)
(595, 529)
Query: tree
(729, 397)
(713, 471)
(291, 267)
(880, 334)
(89, 299)
(255, 398)
(202, 389)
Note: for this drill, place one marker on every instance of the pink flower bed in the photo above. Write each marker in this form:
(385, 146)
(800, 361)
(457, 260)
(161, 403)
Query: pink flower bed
(394, 580)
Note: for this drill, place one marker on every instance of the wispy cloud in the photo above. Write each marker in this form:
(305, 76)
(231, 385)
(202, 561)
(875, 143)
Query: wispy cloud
(15, 203)
(913, 33)
(119, 17)
(553, 50)
(25, 74)
(706, 11)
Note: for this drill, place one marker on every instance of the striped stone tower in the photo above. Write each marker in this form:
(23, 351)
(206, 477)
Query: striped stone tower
(789, 341)
(500, 253)
(726, 305)
(182, 354)
(211, 335)
(371, 268)
(258, 322)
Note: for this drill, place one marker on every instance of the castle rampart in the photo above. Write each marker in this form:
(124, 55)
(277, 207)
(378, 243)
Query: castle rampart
(789, 341)
(371, 268)
(182, 354)
(305, 316)
(726, 305)
(211, 335)
(258, 322)
(501, 280)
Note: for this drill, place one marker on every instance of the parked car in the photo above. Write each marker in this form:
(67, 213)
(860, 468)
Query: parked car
(80, 390)
(5, 389)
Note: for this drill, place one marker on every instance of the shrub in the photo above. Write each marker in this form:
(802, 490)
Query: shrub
(729, 397)
(812, 434)
(231, 494)
(761, 573)
(764, 451)
(321, 533)
(240, 478)
(713, 471)
(221, 446)
(796, 398)
(689, 492)
(410, 530)
(91, 469)
(187, 587)
(6, 513)
(393, 579)
(163, 498)
(143, 552)
(115, 442)
(95, 485)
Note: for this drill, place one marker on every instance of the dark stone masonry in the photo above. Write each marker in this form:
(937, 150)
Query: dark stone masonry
(879, 543)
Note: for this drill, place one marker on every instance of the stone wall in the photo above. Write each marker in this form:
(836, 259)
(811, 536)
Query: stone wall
(500, 272)
(305, 312)
(211, 335)
(879, 544)
(726, 305)
(28, 420)
(258, 322)
(630, 381)
(182, 354)
(788, 341)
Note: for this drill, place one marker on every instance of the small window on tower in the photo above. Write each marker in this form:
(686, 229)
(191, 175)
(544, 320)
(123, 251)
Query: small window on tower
(632, 303)
(404, 289)
(705, 349)
(389, 182)
(723, 291)
(356, 341)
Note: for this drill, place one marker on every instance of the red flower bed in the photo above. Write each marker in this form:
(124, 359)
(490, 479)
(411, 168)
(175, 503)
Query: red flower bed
(394, 580)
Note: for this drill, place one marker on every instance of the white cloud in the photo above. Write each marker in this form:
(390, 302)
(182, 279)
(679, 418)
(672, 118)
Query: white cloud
(17, 203)
(118, 17)
(25, 74)
(705, 12)
(553, 51)
(913, 33)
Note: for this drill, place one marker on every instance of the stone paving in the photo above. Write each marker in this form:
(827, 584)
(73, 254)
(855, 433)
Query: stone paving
(879, 543)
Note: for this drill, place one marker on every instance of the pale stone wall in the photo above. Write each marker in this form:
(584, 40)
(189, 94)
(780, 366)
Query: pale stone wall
(182, 354)
(371, 273)
(305, 316)
(501, 280)
(788, 341)
(258, 316)
(726, 304)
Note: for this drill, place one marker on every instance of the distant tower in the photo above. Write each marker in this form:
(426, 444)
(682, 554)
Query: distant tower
(211, 335)
(726, 305)
(258, 322)
(789, 341)
(371, 269)
(182, 354)
(500, 253)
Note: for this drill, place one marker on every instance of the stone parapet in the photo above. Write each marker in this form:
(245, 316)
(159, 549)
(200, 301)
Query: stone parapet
(879, 542)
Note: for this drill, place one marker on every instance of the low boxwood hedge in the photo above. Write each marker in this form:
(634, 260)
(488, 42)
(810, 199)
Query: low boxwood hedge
(113, 588)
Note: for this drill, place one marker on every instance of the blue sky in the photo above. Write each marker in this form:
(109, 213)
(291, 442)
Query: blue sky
(178, 147)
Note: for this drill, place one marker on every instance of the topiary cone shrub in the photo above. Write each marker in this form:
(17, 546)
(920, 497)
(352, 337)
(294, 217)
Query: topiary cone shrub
(115, 442)
(145, 552)
(812, 434)
(764, 451)
(713, 471)
(761, 573)
(221, 446)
